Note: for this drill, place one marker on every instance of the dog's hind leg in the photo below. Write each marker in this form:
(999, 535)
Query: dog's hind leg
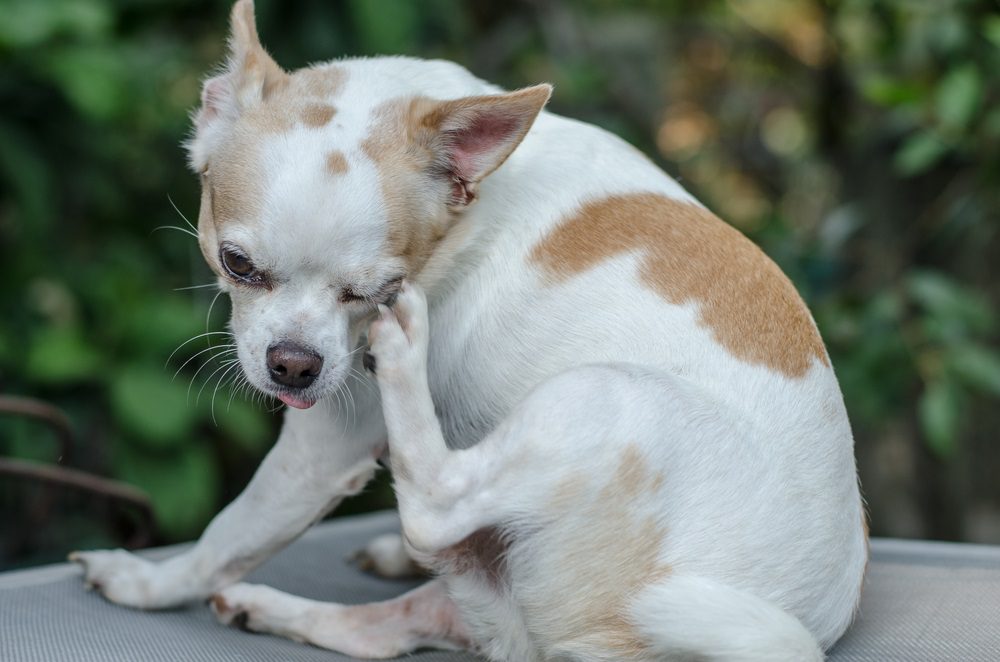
(568, 505)
(386, 556)
(424, 617)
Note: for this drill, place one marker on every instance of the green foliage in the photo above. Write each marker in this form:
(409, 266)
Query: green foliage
(857, 141)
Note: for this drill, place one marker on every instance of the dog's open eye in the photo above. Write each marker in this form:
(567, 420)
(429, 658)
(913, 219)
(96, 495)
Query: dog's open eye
(239, 266)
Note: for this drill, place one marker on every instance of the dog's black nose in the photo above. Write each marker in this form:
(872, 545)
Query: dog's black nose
(293, 365)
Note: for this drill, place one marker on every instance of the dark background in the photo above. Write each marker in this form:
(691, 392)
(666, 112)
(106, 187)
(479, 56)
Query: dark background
(856, 141)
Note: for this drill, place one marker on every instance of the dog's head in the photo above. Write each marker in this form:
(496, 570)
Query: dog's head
(323, 188)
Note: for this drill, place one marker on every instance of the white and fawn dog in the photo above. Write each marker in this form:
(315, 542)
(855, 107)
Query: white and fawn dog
(614, 430)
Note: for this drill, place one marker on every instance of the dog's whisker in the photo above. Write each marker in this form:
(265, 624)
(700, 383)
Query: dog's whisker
(208, 315)
(347, 408)
(348, 403)
(234, 384)
(222, 350)
(190, 340)
(175, 227)
(195, 287)
(225, 365)
(218, 384)
(181, 214)
(194, 377)
(363, 379)
(341, 406)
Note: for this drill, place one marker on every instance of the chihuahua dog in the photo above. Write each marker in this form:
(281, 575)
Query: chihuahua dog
(614, 430)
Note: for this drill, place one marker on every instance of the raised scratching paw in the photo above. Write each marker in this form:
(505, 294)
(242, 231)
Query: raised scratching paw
(398, 337)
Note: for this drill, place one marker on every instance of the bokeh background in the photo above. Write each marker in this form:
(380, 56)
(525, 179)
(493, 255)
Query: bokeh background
(856, 141)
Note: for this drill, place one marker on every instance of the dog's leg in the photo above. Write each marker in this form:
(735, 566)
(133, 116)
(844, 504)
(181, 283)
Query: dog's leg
(310, 469)
(441, 492)
(424, 617)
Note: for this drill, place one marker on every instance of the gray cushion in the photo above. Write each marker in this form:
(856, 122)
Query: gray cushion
(922, 601)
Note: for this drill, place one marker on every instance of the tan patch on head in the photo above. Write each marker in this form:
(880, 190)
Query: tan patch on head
(336, 162)
(316, 115)
(234, 183)
(398, 158)
(302, 97)
(690, 255)
(615, 558)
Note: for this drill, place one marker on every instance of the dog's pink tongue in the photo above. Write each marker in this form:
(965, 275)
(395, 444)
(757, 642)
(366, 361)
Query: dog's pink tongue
(295, 402)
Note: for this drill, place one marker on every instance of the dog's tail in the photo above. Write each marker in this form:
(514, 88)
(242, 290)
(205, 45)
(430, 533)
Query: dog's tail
(705, 619)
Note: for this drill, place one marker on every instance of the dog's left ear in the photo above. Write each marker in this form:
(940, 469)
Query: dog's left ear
(250, 75)
(471, 137)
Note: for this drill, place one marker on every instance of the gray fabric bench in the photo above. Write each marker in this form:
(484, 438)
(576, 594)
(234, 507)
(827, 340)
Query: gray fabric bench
(922, 601)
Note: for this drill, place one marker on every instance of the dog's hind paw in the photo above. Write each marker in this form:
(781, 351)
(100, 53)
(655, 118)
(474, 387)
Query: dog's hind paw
(385, 556)
(256, 608)
(399, 336)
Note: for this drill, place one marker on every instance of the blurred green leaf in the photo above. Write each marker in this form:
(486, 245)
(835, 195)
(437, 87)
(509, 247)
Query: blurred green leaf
(153, 406)
(384, 35)
(248, 427)
(977, 366)
(954, 307)
(991, 29)
(157, 326)
(920, 151)
(28, 23)
(95, 78)
(28, 177)
(27, 439)
(183, 485)
(939, 409)
(958, 95)
(887, 91)
(61, 355)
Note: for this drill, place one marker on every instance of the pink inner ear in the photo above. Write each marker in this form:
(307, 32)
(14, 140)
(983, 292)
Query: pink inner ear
(474, 147)
(214, 94)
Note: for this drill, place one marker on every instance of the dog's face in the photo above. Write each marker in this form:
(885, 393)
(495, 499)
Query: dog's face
(317, 202)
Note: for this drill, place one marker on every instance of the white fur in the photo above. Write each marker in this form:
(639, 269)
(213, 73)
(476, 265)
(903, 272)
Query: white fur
(759, 504)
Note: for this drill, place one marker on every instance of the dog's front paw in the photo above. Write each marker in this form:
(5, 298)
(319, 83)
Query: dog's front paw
(398, 338)
(120, 577)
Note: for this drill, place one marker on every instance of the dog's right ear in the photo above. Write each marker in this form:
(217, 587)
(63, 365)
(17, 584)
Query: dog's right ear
(250, 74)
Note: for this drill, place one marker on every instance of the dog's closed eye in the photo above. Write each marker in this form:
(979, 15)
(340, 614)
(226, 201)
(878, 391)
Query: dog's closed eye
(385, 294)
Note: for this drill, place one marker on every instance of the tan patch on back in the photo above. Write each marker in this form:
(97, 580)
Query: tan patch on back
(690, 255)
(336, 162)
(616, 557)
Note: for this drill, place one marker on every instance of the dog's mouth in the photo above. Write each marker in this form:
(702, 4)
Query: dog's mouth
(295, 400)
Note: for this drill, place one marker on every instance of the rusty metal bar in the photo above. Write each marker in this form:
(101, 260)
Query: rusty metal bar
(44, 412)
(80, 480)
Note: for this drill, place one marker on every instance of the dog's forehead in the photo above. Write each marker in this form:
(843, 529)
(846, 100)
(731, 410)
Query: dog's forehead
(295, 175)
